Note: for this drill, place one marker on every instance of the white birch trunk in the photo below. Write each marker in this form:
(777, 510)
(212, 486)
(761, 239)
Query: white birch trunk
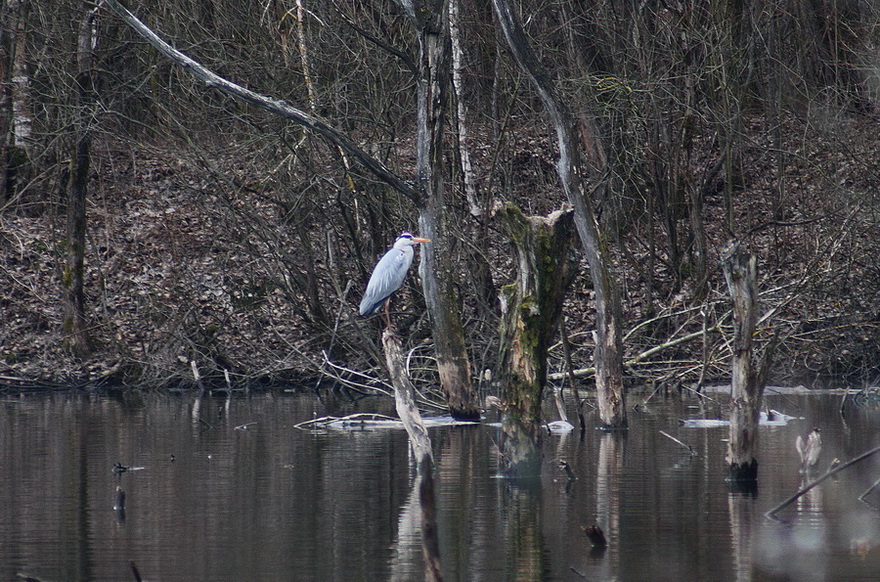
(22, 116)
(467, 170)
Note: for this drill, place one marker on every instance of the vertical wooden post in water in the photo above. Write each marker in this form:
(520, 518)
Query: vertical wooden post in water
(747, 382)
(531, 308)
(420, 444)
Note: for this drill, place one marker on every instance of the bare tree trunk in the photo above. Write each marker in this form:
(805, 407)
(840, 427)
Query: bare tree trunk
(461, 127)
(22, 117)
(304, 59)
(530, 308)
(72, 280)
(6, 182)
(438, 280)
(747, 387)
(15, 113)
(609, 367)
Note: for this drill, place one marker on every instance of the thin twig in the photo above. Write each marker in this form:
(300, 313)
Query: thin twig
(342, 296)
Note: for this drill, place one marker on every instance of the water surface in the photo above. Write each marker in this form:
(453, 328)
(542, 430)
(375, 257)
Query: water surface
(229, 489)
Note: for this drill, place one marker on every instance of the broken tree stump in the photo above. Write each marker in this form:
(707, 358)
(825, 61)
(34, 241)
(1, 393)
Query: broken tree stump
(747, 376)
(531, 308)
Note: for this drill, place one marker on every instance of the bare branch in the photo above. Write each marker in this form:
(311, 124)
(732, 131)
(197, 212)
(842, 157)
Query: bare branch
(311, 122)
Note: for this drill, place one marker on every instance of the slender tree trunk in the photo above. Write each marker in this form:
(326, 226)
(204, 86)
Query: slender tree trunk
(6, 183)
(531, 308)
(22, 115)
(438, 280)
(16, 119)
(72, 281)
(461, 127)
(609, 366)
(304, 59)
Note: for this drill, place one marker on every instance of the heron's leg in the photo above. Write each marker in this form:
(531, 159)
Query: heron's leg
(388, 313)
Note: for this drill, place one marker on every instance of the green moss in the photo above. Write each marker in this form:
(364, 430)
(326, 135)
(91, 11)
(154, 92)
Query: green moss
(67, 277)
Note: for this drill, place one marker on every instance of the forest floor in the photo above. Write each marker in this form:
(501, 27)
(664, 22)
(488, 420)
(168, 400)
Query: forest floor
(178, 279)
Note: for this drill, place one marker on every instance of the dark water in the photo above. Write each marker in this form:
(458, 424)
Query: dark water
(272, 502)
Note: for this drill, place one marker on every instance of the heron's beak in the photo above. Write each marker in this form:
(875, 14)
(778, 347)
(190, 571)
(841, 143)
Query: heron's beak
(420, 240)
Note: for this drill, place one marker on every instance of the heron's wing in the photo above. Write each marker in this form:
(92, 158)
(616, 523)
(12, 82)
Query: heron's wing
(387, 278)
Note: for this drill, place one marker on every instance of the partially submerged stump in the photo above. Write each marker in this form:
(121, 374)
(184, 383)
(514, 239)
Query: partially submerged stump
(747, 376)
(420, 443)
(531, 308)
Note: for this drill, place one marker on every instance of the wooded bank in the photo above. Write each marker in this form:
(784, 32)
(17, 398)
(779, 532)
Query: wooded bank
(219, 235)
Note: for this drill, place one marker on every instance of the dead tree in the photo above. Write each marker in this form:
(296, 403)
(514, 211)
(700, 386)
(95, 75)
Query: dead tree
(531, 307)
(747, 375)
(608, 360)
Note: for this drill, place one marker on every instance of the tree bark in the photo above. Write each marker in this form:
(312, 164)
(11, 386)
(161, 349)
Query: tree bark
(430, 21)
(747, 388)
(530, 308)
(75, 326)
(304, 59)
(609, 368)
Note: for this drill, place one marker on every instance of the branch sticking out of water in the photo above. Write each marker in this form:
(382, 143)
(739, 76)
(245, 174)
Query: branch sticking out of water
(685, 445)
(868, 492)
(772, 513)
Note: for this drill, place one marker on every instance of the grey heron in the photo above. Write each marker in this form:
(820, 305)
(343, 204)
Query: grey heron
(389, 274)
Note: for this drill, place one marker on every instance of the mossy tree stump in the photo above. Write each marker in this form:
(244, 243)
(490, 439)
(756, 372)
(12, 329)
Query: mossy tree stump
(531, 308)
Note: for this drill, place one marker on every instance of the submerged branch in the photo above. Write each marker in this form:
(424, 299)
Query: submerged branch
(675, 440)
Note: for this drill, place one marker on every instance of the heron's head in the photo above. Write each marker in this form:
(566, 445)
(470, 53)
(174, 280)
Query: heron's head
(406, 239)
